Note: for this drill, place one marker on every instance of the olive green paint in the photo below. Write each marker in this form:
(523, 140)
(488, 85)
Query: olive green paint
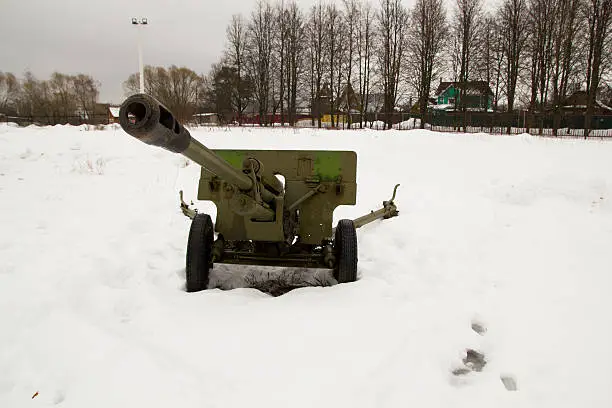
(328, 165)
(233, 157)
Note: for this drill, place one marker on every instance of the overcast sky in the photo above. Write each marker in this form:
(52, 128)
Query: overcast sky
(96, 37)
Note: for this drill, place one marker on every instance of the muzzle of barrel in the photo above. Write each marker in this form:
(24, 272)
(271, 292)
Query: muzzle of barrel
(146, 119)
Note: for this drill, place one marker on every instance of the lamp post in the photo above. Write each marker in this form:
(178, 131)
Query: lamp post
(139, 23)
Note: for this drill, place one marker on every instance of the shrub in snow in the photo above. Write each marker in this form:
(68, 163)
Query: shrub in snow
(26, 154)
(89, 166)
(277, 284)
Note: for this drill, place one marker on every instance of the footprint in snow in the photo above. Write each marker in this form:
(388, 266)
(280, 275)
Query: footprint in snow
(475, 361)
(479, 327)
(59, 397)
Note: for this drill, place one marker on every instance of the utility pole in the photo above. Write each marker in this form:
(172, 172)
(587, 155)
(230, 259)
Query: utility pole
(139, 23)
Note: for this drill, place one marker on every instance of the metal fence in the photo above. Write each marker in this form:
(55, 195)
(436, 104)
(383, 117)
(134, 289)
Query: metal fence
(545, 132)
(541, 124)
(568, 126)
(50, 120)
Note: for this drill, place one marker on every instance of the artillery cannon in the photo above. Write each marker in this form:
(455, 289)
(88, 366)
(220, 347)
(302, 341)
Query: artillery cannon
(260, 220)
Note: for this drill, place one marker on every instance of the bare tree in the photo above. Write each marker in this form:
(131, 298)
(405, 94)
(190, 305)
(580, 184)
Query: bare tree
(176, 87)
(294, 57)
(598, 15)
(539, 52)
(9, 92)
(351, 18)
(259, 55)
(425, 46)
(392, 21)
(465, 33)
(86, 91)
(280, 47)
(333, 25)
(316, 51)
(490, 56)
(513, 18)
(235, 57)
(36, 98)
(340, 86)
(63, 100)
(564, 55)
(364, 55)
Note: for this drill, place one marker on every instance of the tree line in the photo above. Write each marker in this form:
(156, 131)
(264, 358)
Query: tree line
(333, 58)
(58, 98)
(280, 60)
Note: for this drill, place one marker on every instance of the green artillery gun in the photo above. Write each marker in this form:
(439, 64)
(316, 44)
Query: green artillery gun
(260, 220)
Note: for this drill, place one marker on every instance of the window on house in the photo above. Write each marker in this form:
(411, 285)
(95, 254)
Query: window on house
(451, 100)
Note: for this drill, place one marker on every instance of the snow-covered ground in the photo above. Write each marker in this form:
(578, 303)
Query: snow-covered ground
(507, 236)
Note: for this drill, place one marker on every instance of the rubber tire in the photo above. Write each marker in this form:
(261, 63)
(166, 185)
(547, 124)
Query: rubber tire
(345, 248)
(199, 253)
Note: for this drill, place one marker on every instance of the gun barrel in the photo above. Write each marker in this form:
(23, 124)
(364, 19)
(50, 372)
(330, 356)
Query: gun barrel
(146, 119)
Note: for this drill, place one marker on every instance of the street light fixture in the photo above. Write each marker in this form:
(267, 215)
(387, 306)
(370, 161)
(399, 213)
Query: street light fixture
(141, 22)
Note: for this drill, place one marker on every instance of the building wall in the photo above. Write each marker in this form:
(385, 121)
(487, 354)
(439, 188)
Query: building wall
(447, 95)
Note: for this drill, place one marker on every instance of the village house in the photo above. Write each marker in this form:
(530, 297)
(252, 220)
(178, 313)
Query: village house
(478, 96)
(576, 104)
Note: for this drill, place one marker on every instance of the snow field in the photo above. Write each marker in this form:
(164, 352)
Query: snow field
(512, 233)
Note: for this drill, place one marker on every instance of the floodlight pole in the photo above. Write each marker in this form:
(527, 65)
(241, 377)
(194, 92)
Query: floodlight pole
(140, 65)
(139, 23)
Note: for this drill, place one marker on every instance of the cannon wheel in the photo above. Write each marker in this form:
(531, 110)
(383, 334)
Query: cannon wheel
(199, 253)
(345, 248)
